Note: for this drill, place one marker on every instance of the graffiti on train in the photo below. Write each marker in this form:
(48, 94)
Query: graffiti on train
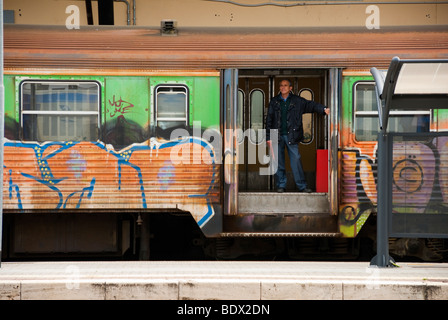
(93, 175)
(419, 180)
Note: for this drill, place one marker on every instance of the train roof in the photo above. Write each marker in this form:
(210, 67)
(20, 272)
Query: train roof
(142, 48)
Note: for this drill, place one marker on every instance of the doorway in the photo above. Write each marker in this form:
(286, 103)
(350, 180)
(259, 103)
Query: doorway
(255, 90)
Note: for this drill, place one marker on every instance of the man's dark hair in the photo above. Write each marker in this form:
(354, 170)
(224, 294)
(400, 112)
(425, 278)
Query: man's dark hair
(289, 81)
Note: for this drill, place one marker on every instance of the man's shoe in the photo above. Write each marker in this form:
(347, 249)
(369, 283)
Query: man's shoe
(280, 190)
(306, 190)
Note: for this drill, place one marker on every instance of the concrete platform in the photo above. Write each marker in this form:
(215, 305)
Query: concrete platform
(217, 280)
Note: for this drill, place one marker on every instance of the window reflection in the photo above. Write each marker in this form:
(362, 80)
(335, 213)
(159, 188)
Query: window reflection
(60, 111)
(307, 118)
(171, 106)
(256, 115)
(366, 115)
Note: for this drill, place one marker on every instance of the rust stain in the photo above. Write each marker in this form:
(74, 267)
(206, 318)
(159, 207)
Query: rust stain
(143, 48)
(86, 175)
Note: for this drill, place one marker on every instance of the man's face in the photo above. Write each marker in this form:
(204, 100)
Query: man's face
(285, 88)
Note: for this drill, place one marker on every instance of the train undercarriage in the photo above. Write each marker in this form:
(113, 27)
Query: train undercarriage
(176, 236)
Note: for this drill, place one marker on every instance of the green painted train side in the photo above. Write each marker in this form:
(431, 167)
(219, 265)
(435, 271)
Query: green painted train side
(357, 199)
(130, 96)
(127, 107)
(132, 165)
(418, 166)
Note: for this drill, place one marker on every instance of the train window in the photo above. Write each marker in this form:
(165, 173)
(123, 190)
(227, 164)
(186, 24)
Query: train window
(366, 115)
(256, 115)
(171, 106)
(307, 118)
(240, 119)
(60, 110)
(366, 112)
(240, 109)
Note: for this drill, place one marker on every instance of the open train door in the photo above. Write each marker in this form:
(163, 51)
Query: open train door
(335, 78)
(229, 81)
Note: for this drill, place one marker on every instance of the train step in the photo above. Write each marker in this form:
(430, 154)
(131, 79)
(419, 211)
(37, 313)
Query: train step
(279, 234)
(285, 203)
(272, 214)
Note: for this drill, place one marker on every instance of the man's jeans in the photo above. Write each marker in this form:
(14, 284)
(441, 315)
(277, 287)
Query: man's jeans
(296, 164)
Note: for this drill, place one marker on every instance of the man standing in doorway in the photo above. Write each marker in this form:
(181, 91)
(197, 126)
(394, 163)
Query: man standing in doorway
(285, 115)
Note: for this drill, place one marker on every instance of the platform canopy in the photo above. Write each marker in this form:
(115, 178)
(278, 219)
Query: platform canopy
(411, 84)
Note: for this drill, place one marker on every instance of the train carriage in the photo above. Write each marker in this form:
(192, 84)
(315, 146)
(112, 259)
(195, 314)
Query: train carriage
(121, 137)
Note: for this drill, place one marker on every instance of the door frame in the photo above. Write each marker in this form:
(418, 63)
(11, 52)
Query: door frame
(334, 102)
(229, 103)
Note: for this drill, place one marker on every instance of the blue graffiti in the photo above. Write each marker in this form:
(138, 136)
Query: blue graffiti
(89, 195)
(123, 158)
(15, 187)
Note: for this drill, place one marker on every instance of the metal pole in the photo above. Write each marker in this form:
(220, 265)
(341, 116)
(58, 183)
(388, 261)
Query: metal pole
(2, 125)
(382, 253)
(384, 196)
